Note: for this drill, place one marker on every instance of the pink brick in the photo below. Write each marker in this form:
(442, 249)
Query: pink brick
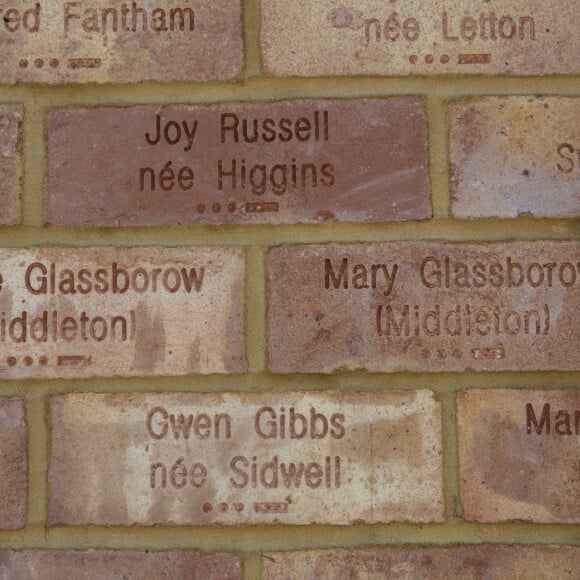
(519, 455)
(86, 312)
(13, 464)
(467, 562)
(424, 307)
(10, 163)
(58, 43)
(122, 564)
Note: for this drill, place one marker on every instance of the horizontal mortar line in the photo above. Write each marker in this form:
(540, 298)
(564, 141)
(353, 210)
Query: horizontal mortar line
(262, 236)
(244, 539)
(269, 89)
(249, 384)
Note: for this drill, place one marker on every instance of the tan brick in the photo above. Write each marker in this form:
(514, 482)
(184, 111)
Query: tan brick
(467, 562)
(519, 455)
(361, 160)
(13, 464)
(428, 307)
(128, 565)
(58, 42)
(373, 37)
(10, 164)
(515, 155)
(85, 312)
(332, 458)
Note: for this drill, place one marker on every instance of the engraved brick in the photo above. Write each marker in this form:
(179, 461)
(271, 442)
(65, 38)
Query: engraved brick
(10, 164)
(13, 465)
(296, 161)
(421, 306)
(58, 42)
(519, 455)
(372, 37)
(236, 459)
(468, 562)
(98, 564)
(85, 312)
(515, 155)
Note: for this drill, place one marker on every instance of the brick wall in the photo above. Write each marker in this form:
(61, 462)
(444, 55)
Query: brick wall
(385, 301)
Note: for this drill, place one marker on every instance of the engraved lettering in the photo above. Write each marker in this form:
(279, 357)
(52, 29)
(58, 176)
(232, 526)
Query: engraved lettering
(363, 276)
(565, 422)
(488, 26)
(569, 158)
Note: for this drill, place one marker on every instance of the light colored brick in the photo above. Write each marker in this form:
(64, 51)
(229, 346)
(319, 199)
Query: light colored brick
(422, 306)
(492, 562)
(10, 163)
(121, 564)
(515, 155)
(85, 312)
(519, 455)
(332, 458)
(419, 37)
(13, 464)
(295, 161)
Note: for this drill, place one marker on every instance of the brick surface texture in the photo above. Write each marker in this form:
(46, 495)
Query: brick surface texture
(270, 163)
(424, 307)
(507, 152)
(469, 562)
(289, 289)
(13, 464)
(302, 38)
(329, 459)
(10, 163)
(58, 42)
(122, 312)
(130, 565)
(519, 455)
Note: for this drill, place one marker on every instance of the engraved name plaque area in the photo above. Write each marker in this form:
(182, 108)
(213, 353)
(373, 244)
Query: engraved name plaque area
(13, 464)
(202, 459)
(300, 161)
(515, 155)
(10, 164)
(83, 312)
(420, 37)
(101, 41)
(419, 306)
(519, 455)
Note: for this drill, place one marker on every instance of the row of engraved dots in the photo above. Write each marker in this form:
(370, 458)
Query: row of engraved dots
(441, 353)
(12, 361)
(223, 507)
(216, 207)
(38, 63)
(429, 59)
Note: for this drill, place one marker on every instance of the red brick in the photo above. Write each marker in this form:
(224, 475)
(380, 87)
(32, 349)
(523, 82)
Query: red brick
(13, 464)
(10, 163)
(358, 457)
(372, 37)
(86, 312)
(519, 455)
(319, 325)
(370, 157)
(507, 153)
(466, 562)
(128, 565)
(72, 42)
